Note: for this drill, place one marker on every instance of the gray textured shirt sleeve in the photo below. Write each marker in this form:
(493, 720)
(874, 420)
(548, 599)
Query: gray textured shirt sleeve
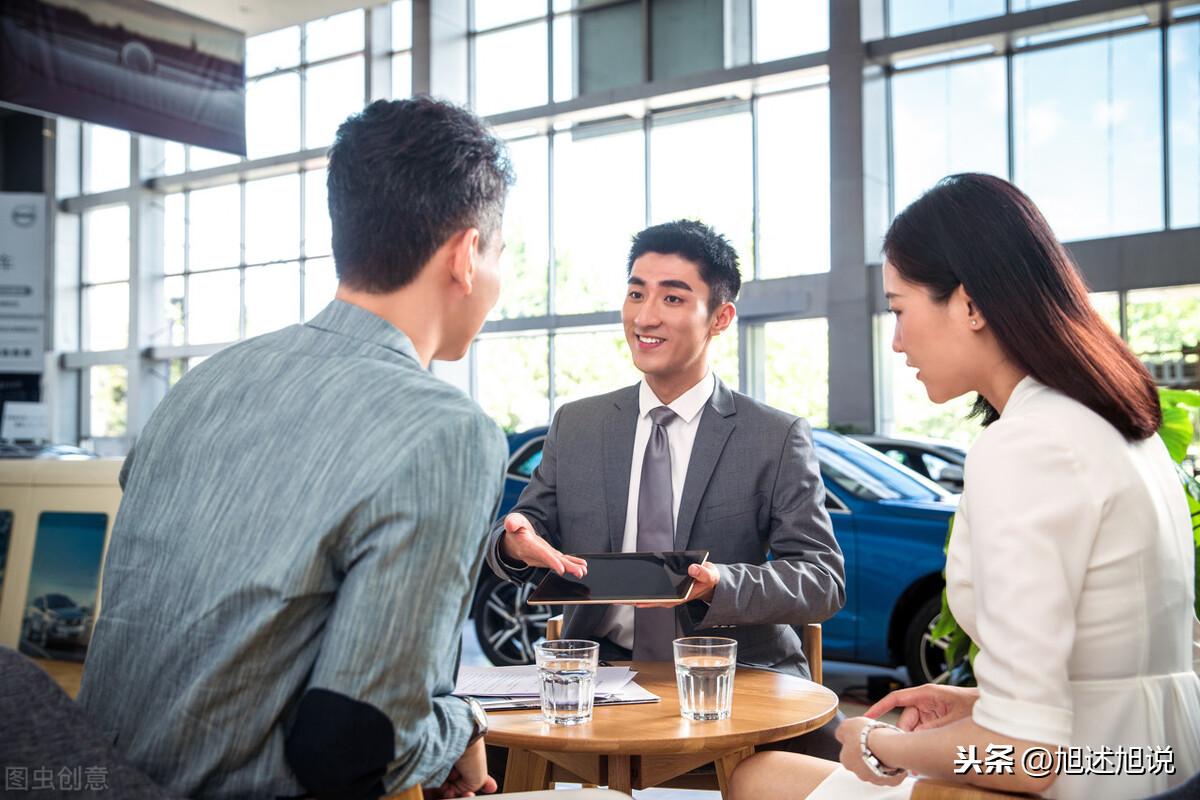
(410, 565)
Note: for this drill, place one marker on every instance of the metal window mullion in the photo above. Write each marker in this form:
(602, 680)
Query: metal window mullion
(889, 142)
(755, 200)
(1010, 112)
(647, 54)
(1165, 67)
(369, 50)
(551, 384)
(185, 312)
(303, 265)
(549, 21)
(471, 65)
(242, 265)
(646, 165)
(551, 256)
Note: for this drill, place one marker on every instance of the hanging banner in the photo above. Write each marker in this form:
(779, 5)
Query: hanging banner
(127, 64)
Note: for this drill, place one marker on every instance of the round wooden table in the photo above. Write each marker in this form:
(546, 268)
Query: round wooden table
(630, 747)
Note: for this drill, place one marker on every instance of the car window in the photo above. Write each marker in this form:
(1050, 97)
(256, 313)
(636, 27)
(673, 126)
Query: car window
(870, 475)
(527, 460)
(899, 456)
(59, 601)
(934, 465)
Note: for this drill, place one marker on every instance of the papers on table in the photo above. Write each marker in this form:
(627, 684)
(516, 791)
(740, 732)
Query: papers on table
(480, 682)
(503, 688)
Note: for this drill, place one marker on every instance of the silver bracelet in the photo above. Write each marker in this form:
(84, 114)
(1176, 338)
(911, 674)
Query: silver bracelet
(870, 759)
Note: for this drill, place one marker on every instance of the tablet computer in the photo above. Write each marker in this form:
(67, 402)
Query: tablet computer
(623, 578)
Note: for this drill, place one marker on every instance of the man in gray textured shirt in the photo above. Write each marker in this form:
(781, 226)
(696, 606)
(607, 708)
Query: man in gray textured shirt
(305, 513)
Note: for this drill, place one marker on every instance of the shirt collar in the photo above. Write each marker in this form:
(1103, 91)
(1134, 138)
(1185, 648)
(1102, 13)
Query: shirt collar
(686, 406)
(356, 322)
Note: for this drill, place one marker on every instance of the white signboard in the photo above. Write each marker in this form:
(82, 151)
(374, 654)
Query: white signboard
(25, 422)
(22, 254)
(22, 344)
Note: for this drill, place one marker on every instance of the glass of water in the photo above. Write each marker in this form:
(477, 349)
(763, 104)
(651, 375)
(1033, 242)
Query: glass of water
(567, 669)
(704, 667)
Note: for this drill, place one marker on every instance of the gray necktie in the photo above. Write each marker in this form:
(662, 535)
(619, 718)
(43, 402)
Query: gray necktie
(654, 628)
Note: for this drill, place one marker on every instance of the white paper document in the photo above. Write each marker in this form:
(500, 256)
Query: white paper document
(512, 682)
(630, 694)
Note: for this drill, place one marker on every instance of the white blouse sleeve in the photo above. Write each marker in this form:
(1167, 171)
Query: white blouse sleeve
(1033, 519)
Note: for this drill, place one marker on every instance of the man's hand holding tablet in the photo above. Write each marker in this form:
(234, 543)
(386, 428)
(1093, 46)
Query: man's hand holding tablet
(521, 542)
(705, 579)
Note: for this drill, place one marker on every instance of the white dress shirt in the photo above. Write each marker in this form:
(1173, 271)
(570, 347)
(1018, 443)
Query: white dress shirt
(681, 435)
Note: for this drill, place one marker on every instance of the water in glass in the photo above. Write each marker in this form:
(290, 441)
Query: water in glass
(568, 686)
(705, 686)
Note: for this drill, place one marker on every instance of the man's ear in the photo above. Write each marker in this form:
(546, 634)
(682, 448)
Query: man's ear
(722, 318)
(463, 251)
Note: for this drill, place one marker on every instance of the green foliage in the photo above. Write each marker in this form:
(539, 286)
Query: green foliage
(1178, 431)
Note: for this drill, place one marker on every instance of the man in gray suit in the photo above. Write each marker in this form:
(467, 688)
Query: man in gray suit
(679, 461)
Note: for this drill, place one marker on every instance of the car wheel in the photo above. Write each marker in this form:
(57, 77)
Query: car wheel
(924, 656)
(507, 626)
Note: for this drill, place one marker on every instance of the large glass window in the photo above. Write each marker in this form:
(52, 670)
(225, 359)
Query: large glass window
(106, 160)
(785, 28)
(273, 51)
(512, 379)
(105, 278)
(525, 260)
(908, 16)
(332, 92)
(589, 363)
(1184, 104)
(214, 301)
(215, 227)
(599, 204)
(273, 219)
(793, 185)
(797, 368)
(948, 119)
(1163, 320)
(318, 230)
(1088, 134)
(686, 179)
(1108, 305)
(108, 401)
(273, 115)
(272, 297)
(511, 69)
(320, 283)
(334, 36)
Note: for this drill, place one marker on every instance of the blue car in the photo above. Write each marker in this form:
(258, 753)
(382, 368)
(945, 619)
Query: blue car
(891, 524)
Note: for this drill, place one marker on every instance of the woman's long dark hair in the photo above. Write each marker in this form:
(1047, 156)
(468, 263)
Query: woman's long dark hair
(985, 234)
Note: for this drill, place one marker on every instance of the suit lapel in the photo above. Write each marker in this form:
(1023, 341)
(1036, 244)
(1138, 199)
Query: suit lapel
(619, 430)
(716, 424)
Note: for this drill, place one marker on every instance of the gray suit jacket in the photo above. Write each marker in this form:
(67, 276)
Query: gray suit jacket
(753, 486)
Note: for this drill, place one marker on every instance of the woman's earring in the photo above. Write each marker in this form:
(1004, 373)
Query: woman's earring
(974, 322)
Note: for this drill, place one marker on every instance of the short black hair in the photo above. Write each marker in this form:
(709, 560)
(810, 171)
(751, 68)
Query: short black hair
(711, 252)
(405, 176)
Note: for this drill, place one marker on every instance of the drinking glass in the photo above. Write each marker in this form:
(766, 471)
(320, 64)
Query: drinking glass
(704, 667)
(567, 669)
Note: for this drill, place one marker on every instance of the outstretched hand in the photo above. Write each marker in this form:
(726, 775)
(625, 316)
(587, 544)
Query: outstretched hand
(521, 542)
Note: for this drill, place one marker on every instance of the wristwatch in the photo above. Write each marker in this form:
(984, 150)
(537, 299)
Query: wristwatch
(870, 759)
(478, 719)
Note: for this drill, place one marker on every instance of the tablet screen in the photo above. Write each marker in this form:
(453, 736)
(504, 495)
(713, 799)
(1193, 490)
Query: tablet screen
(623, 577)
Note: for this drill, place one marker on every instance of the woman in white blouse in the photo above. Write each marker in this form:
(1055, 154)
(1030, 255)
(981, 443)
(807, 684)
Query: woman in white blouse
(1072, 562)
